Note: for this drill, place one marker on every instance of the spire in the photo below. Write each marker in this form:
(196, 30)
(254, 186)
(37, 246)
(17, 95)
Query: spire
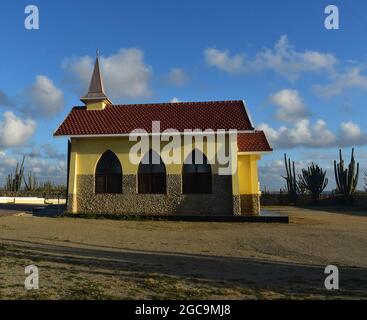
(96, 90)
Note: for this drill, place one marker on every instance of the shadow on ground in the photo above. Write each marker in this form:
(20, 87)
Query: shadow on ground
(287, 278)
(7, 209)
(50, 211)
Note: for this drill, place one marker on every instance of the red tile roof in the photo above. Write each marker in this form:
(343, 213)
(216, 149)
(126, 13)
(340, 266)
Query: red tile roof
(119, 119)
(253, 142)
(122, 119)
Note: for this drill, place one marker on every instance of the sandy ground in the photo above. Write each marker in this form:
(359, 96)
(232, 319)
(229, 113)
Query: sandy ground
(104, 259)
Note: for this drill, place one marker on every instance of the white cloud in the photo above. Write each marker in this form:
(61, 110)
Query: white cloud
(51, 152)
(46, 169)
(290, 105)
(125, 74)
(351, 129)
(282, 59)
(81, 68)
(270, 175)
(177, 77)
(351, 134)
(6, 161)
(44, 151)
(40, 99)
(303, 134)
(223, 61)
(14, 131)
(175, 100)
(352, 78)
(43, 98)
(285, 60)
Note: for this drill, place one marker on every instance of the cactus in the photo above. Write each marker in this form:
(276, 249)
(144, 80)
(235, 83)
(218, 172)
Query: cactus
(291, 179)
(32, 182)
(346, 178)
(14, 183)
(314, 180)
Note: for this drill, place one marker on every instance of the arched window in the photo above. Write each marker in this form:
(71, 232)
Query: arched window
(108, 174)
(197, 174)
(152, 174)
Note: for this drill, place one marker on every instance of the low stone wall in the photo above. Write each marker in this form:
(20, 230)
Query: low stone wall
(359, 200)
(30, 200)
(51, 194)
(283, 199)
(220, 202)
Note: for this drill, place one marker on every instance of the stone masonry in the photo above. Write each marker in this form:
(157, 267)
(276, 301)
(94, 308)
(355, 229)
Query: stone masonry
(220, 202)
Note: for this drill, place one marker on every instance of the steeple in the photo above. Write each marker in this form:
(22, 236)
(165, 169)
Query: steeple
(96, 98)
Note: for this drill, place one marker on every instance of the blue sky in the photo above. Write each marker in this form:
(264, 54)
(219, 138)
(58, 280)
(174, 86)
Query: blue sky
(304, 85)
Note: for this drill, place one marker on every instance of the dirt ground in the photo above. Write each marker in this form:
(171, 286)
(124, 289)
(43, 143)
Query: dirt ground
(105, 259)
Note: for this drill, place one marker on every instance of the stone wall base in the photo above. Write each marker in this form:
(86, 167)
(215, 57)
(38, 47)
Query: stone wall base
(236, 205)
(220, 202)
(250, 204)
